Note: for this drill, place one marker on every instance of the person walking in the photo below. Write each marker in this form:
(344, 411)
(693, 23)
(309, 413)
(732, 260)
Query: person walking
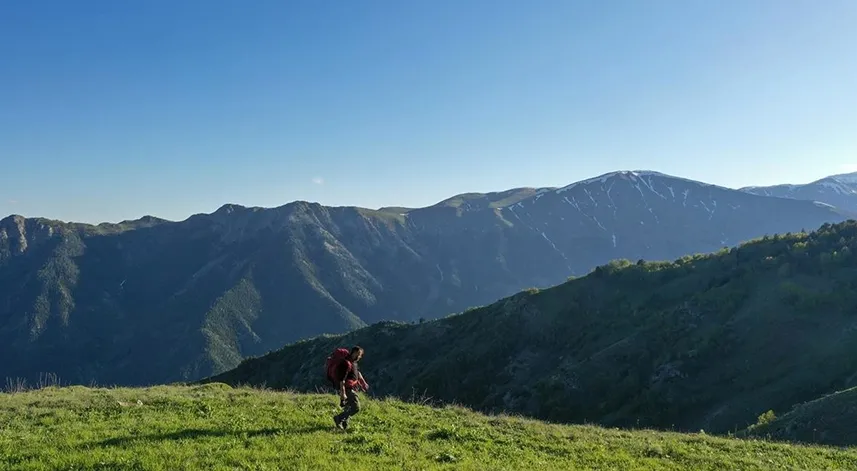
(345, 376)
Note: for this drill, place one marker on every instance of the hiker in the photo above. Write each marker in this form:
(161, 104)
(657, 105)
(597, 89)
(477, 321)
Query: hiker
(344, 375)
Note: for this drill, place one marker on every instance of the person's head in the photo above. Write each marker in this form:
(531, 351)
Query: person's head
(356, 353)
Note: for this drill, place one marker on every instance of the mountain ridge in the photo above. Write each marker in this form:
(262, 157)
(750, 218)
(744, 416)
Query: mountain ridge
(494, 196)
(90, 302)
(836, 190)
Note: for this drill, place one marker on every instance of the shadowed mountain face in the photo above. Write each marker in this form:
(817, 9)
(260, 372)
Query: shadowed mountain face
(838, 190)
(153, 301)
(705, 342)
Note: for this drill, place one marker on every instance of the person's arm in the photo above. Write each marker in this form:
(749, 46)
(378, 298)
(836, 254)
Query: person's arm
(362, 381)
(347, 368)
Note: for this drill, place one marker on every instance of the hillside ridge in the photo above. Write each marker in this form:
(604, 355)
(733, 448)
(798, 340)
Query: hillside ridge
(704, 342)
(829, 420)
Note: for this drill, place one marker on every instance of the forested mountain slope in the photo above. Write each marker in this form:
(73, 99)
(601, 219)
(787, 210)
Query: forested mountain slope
(831, 420)
(705, 342)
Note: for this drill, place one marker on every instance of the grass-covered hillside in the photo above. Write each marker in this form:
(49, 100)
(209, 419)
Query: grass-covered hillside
(215, 427)
(706, 342)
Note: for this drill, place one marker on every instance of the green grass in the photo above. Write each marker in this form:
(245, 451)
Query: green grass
(216, 427)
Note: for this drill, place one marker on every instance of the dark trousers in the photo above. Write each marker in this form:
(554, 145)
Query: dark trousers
(350, 408)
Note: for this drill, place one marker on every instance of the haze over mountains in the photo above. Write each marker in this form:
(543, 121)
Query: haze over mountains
(153, 301)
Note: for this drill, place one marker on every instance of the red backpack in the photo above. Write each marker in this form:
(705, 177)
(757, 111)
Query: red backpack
(333, 362)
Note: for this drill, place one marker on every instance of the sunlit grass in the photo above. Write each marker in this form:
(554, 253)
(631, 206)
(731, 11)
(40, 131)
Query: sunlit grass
(215, 427)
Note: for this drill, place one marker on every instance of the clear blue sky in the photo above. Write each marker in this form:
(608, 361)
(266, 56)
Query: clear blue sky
(110, 110)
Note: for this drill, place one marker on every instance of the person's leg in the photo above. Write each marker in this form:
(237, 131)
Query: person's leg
(352, 407)
(337, 419)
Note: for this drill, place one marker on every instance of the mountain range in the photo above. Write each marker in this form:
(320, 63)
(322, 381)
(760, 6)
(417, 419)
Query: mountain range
(152, 301)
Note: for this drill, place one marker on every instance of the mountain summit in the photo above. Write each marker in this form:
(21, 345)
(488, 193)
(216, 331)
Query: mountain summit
(651, 215)
(154, 301)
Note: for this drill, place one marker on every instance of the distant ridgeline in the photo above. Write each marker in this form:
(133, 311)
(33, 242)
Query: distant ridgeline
(153, 301)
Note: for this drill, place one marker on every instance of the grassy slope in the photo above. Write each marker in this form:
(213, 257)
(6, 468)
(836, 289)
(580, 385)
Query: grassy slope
(215, 427)
(831, 420)
(706, 342)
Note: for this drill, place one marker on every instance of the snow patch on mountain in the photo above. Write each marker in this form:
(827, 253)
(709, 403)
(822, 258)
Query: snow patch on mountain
(838, 187)
(554, 246)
